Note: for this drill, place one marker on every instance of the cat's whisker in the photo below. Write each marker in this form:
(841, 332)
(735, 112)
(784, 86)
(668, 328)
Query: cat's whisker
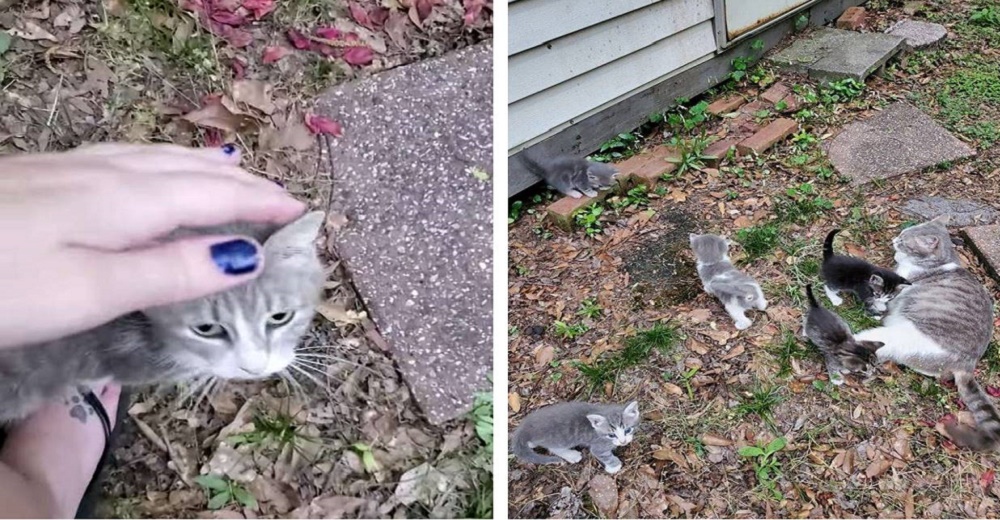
(316, 365)
(191, 390)
(300, 369)
(338, 360)
(294, 387)
(205, 391)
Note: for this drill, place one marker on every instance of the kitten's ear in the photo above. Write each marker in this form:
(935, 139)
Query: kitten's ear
(631, 412)
(599, 422)
(926, 243)
(944, 220)
(871, 345)
(876, 281)
(297, 237)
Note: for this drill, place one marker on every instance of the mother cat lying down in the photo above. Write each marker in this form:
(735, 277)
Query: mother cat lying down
(941, 324)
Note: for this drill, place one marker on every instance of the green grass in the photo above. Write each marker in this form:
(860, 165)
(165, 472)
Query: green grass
(969, 96)
(760, 401)
(273, 430)
(662, 338)
(567, 331)
(802, 204)
(854, 314)
(758, 241)
(589, 309)
(992, 358)
(479, 497)
(787, 348)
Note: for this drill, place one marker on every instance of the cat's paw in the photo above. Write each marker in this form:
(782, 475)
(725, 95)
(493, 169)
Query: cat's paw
(614, 467)
(590, 193)
(743, 324)
(573, 457)
(762, 305)
(575, 194)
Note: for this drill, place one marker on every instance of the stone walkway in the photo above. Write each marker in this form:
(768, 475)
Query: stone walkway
(835, 54)
(412, 174)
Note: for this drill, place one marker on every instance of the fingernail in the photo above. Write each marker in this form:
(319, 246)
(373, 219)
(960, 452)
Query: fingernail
(229, 148)
(235, 257)
(279, 183)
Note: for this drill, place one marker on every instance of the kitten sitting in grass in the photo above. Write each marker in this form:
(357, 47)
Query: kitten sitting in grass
(561, 427)
(873, 285)
(737, 291)
(571, 176)
(833, 336)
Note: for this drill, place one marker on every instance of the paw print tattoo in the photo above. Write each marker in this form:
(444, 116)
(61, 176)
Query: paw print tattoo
(78, 408)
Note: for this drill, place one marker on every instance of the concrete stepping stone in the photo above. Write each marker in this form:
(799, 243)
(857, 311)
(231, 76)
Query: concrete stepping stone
(900, 139)
(962, 212)
(834, 54)
(985, 242)
(410, 174)
(918, 35)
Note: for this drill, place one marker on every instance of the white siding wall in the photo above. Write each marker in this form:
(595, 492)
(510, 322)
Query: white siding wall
(569, 58)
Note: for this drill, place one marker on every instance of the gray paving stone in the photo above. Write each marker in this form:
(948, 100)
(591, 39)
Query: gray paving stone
(985, 242)
(900, 139)
(917, 34)
(834, 54)
(418, 239)
(962, 212)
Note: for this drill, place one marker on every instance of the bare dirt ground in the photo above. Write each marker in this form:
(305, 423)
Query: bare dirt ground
(613, 311)
(346, 439)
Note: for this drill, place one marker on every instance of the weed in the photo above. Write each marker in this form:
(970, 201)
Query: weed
(566, 331)
(992, 358)
(222, 492)
(740, 64)
(829, 389)
(687, 118)
(590, 219)
(765, 464)
(989, 17)
(801, 204)
(276, 430)
(367, 456)
(692, 155)
(589, 308)
(760, 401)
(841, 91)
(732, 194)
(514, 211)
(758, 241)
(780, 106)
(637, 196)
(686, 378)
(661, 338)
(696, 445)
(521, 270)
(786, 349)
(804, 140)
(621, 146)
(857, 317)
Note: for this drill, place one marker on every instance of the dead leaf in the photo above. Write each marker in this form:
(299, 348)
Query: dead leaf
(323, 125)
(699, 315)
(736, 351)
(544, 355)
(291, 134)
(32, 31)
(709, 439)
(604, 493)
(337, 312)
(671, 455)
(329, 506)
(255, 93)
(877, 467)
(71, 18)
(672, 389)
(514, 401)
(216, 115)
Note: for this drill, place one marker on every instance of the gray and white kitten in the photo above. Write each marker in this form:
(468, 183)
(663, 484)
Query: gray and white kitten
(737, 291)
(248, 332)
(834, 339)
(571, 176)
(562, 427)
(941, 324)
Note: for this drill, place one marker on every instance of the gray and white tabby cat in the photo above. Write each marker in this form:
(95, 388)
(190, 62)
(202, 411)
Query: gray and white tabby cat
(562, 427)
(941, 324)
(248, 332)
(737, 291)
(834, 339)
(571, 176)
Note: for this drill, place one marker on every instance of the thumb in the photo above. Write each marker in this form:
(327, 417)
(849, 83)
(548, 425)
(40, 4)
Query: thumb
(177, 271)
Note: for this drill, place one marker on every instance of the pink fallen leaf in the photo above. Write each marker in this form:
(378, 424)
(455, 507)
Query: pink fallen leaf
(986, 479)
(259, 8)
(213, 138)
(993, 391)
(370, 19)
(423, 9)
(298, 40)
(329, 33)
(227, 18)
(239, 68)
(359, 56)
(273, 54)
(236, 37)
(323, 125)
(473, 8)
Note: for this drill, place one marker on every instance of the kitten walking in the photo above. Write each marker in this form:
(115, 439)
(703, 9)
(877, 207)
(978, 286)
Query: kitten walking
(571, 176)
(833, 336)
(248, 332)
(561, 427)
(872, 285)
(737, 291)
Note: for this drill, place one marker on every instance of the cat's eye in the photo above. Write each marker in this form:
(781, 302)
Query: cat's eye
(612, 435)
(209, 330)
(279, 318)
(628, 431)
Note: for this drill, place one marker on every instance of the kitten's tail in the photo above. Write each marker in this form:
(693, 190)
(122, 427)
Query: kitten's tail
(828, 245)
(519, 447)
(985, 436)
(812, 298)
(534, 165)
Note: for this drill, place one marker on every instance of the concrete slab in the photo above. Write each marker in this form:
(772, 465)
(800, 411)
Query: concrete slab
(962, 212)
(900, 139)
(985, 242)
(918, 35)
(834, 54)
(408, 175)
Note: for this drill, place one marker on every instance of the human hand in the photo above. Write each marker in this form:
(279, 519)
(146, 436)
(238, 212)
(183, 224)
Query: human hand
(78, 230)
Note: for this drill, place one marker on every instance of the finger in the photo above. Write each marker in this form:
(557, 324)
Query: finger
(227, 154)
(172, 272)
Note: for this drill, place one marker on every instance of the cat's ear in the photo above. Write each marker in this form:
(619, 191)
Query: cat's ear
(297, 237)
(631, 412)
(926, 243)
(599, 422)
(944, 220)
(871, 345)
(876, 281)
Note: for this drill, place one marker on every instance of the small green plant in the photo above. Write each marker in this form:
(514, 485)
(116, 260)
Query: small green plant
(740, 64)
(801, 21)
(566, 331)
(620, 146)
(804, 140)
(824, 172)
(637, 196)
(514, 212)
(827, 388)
(989, 16)
(804, 115)
(758, 241)
(367, 456)
(273, 429)
(686, 378)
(780, 106)
(841, 91)
(757, 44)
(765, 464)
(687, 118)
(590, 219)
(762, 114)
(732, 194)
(589, 309)
(802, 204)
(807, 93)
(785, 350)
(222, 492)
(661, 338)
(760, 401)
(692, 155)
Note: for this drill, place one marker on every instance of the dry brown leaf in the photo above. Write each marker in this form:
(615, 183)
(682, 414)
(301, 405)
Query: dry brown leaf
(877, 467)
(699, 315)
(604, 493)
(709, 439)
(338, 313)
(737, 350)
(215, 114)
(671, 455)
(720, 336)
(672, 389)
(71, 18)
(32, 31)
(544, 355)
(255, 93)
(514, 401)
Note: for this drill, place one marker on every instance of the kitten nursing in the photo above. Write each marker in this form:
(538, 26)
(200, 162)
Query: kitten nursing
(833, 336)
(737, 291)
(873, 285)
(571, 176)
(559, 428)
(248, 332)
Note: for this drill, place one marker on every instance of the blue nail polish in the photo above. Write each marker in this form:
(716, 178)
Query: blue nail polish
(229, 149)
(235, 257)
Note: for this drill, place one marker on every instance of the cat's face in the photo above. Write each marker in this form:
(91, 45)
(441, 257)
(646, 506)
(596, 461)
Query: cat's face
(251, 331)
(927, 245)
(618, 427)
(601, 176)
(884, 287)
(709, 249)
(857, 356)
